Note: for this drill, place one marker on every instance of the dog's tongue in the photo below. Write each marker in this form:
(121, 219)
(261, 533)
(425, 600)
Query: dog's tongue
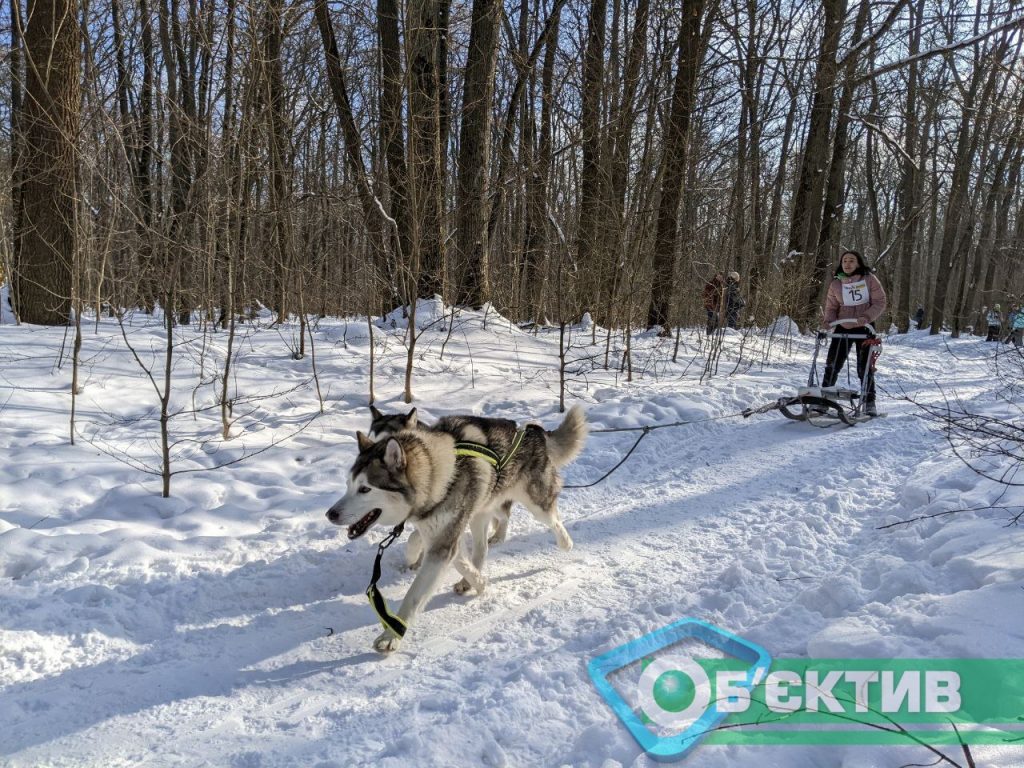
(362, 525)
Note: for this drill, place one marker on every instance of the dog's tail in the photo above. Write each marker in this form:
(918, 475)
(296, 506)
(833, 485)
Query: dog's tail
(566, 442)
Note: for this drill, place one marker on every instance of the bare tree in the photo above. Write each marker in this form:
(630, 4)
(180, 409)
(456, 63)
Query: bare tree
(46, 194)
(592, 176)
(809, 195)
(675, 162)
(426, 32)
(474, 155)
(977, 94)
(911, 179)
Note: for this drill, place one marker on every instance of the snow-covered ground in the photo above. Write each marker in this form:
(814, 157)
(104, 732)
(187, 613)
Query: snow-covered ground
(227, 625)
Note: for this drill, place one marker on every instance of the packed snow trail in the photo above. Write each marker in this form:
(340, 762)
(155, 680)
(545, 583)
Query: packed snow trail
(228, 625)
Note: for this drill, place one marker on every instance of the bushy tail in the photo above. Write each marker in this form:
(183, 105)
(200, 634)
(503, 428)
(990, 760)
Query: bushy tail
(566, 442)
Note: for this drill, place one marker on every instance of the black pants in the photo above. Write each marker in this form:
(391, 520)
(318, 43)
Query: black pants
(839, 350)
(712, 321)
(993, 333)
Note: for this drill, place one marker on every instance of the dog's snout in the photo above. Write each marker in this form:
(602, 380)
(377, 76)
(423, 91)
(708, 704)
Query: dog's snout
(333, 515)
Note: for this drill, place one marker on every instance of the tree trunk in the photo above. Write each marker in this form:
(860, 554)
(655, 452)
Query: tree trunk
(966, 148)
(591, 189)
(807, 204)
(988, 237)
(426, 153)
(508, 123)
(535, 251)
(49, 124)
(675, 163)
(832, 219)
(472, 247)
(17, 83)
(623, 121)
(393, 137)
(277, 144)
(764, 259)
(353, 141)
(181, 123)
(142, 170)
(910, 183)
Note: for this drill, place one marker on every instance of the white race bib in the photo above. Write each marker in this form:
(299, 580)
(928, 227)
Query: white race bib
(855, 294)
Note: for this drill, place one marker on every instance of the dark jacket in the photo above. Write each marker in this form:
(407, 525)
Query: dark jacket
(733, 301)
(712, 295)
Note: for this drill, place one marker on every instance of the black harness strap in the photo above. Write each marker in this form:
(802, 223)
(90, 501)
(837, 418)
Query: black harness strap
(380, 606)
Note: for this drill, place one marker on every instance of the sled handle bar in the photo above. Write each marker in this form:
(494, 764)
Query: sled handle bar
(812, 377)
(836, 323)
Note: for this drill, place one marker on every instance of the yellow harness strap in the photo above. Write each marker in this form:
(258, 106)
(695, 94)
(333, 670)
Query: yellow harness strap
(478, 451)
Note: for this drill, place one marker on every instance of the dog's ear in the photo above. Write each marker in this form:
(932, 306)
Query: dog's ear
(394, 456)
(410, 419)
(374, 413)
(364, 441)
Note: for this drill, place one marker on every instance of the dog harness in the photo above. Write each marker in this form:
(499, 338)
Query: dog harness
(476, 450)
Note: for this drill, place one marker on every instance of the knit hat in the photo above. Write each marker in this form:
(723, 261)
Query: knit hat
(735, 276)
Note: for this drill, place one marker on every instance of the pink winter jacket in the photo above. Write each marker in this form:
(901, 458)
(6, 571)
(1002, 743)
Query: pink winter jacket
(860, 298)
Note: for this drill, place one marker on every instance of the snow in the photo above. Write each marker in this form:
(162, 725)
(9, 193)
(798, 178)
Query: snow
(227, 625)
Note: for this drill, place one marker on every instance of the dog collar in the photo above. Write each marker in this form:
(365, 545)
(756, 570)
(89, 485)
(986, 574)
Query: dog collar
(478, 451)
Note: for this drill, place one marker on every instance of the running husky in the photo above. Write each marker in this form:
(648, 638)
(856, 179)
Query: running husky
(415, 475)
(386, 424)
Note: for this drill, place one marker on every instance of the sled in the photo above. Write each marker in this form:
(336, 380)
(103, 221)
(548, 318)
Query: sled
(827, 406)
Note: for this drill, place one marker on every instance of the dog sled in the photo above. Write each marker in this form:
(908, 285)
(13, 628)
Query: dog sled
(828, 406)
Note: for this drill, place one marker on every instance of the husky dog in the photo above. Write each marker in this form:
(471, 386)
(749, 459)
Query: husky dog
(386, 424)
(415, 476)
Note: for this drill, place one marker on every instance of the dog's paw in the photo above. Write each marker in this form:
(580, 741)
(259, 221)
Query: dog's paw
(463, 586)
(496, 538)
(387, 642)
(563, 539)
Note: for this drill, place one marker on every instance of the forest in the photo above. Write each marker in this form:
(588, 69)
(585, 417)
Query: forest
(215, 157)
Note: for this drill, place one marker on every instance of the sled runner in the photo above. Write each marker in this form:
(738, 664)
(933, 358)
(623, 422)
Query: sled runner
(827, 406)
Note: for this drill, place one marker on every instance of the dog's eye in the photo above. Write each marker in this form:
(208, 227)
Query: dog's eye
(364, 489)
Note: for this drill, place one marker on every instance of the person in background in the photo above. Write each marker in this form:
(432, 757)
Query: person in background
(855, 299)
(994, 318)
(733, 301)
(919, 317)
(713, 293)
(1016, 324)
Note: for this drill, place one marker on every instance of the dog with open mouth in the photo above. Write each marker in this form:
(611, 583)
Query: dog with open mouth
(386, 424)
(426, 477)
